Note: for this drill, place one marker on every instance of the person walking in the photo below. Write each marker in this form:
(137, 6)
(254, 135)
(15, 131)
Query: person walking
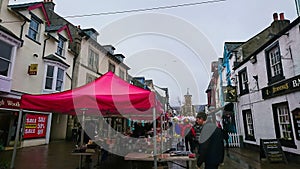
(190, 139)
(195, 131)
(211, 146)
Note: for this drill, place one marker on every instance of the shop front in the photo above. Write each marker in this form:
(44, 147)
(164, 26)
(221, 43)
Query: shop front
(36, 129)
(35, 126)
(9, 108)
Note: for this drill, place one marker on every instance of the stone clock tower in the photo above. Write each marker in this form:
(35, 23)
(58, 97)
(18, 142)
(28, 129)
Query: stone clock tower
(188, 107)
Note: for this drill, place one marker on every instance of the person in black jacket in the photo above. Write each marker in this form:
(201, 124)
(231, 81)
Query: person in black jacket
(211, 145)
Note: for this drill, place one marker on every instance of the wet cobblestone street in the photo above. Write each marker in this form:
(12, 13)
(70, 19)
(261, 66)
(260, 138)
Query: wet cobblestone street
(57, 155)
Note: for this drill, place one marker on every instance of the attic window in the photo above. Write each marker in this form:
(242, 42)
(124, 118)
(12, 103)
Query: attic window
(61, 46)
(34, 28)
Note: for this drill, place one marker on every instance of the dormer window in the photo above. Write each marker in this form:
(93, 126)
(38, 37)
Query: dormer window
(34, 28)
(61, 46)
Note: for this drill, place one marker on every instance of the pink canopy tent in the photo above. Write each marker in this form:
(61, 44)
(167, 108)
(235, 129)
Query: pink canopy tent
(108, 95)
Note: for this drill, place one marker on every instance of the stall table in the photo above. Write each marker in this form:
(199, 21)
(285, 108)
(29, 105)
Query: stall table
(160, 158)
(82, 154)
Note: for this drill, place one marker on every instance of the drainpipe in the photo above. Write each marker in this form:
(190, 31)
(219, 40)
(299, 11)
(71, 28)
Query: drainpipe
(75, 65)
(22, 28)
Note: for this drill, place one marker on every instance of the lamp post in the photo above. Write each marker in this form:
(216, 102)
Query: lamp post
(166, 104)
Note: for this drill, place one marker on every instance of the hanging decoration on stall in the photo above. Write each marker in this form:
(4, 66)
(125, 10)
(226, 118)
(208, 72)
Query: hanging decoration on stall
(35, 126)
(182, 123)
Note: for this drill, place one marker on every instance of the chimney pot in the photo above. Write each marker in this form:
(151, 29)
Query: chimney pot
(275, 16)
(281, 15)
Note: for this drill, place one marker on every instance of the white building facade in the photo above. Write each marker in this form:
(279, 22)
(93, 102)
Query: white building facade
(37, 62)
(268, 87)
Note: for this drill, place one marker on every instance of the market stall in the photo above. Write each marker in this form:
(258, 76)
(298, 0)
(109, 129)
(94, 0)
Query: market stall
(108, 95)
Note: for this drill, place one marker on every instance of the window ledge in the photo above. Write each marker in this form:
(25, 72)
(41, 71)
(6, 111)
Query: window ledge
(5, 84)
(33, 40)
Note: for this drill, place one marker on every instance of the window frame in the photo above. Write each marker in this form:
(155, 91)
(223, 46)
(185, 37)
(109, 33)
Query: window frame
(60, 51)
(287, 142)
(243, 81)
(272, 77)
(111, 67)
(93, 60)
(90, 78)
(55, 79)
(248, 126)
(122, 74)
(9, 60)
(6, 81)
(34, 33)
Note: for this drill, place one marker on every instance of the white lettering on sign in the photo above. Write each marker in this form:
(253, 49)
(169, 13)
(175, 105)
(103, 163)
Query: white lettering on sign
(41, 126)
(41, 119)
(30, 120)
(14, 104)
(29, 131)
(296, 83)
(2, 102)
(41, 131)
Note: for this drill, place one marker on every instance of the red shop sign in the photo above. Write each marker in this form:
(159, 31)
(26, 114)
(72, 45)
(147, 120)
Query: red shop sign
(10, 103)
(35, 126)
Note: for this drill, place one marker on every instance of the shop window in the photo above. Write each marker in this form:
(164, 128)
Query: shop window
(243, 81)
(248, 125)
(283, 125)
(274, 64)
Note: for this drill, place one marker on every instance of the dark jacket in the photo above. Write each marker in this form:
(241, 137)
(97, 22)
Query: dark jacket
(211, 145)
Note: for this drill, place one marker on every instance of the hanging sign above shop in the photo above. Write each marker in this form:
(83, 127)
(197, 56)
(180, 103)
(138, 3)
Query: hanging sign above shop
(229, 93)
(284, 87)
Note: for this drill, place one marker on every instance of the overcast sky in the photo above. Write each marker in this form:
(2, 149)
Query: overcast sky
(174, 46)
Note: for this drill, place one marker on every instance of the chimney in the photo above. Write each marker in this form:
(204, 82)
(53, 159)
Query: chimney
(281, 15)
(49, 4)
(278, 25)
(275, 16)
